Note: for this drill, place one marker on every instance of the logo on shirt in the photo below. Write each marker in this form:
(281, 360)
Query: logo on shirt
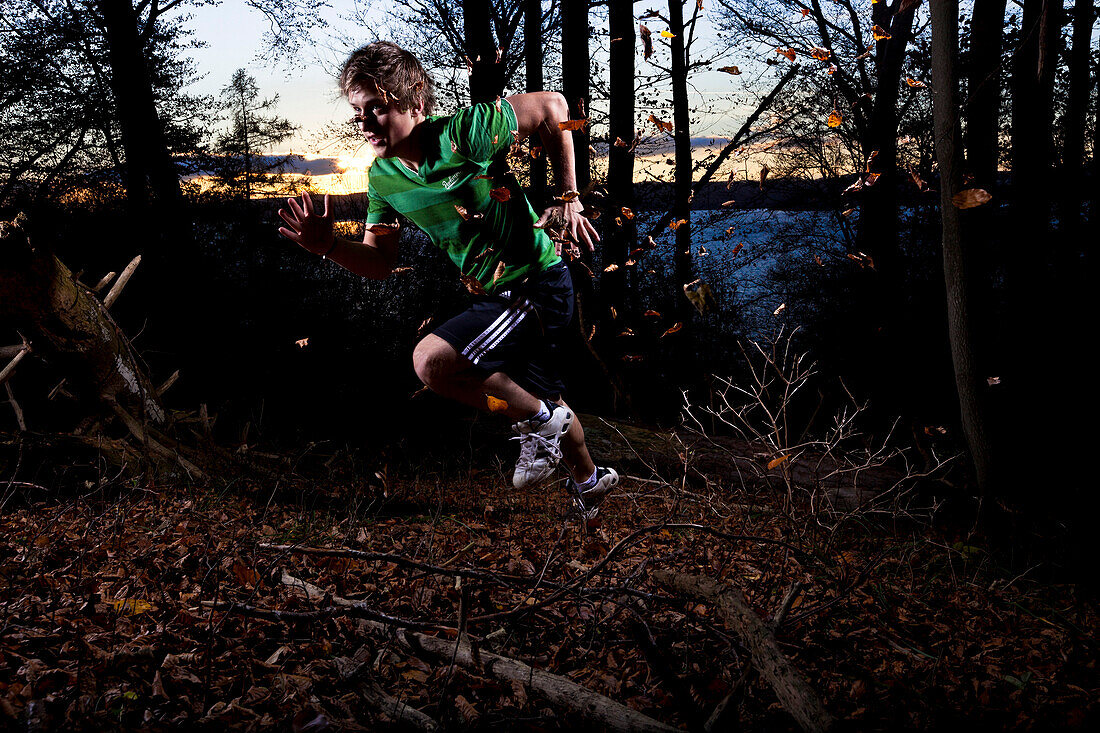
(452, 181)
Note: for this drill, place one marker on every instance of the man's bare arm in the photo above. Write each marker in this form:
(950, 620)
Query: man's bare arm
(541, 113)
(374, 257)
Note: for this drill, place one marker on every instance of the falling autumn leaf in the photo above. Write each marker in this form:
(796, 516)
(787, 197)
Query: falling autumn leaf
(764, 171)
(832, 69)
(870, 160)
(737, 248)
(131, 606)
(847, 212)
(777, 462)
(672, 329)
(698, 4)
(572, 125)
(782, 307)
(630, 263)
(627, 332)
(993, 381)
(631, 357)
(483, 178)
(971, 197)
(700, 295)
(805, 12)
(866, 52)
(536, 150)
(677, 224)
(731, 202)
(872, 178)
(817, 259)
(611, 268)
(501, 194)
(382, 230)
(499, 272)
(835, 119)
(619, 143)
(731, 70)
(466, 215)
(915, 83)
(918, 181)
(496, 138)
(661, 124)
(789, 53)
(647, 41)
(652, 313)
(627, 213)
(703, 251)
(473, 285)
(879, 34)
(666, 34)
(496, 404)
(821, 54)
(567, 196)
(302, 343)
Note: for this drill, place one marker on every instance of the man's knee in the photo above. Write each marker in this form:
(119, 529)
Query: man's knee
(433, 359)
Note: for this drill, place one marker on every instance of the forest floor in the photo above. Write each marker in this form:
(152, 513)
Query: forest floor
(130, 607)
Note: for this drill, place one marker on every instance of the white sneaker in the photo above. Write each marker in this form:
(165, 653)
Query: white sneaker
(587, 501)
(539, 452)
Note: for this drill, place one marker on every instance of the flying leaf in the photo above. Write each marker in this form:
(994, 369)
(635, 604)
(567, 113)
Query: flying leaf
(971, 197)
(499, 272)
(879, 34)
(731, 70)
(466, 215)
(872, 178)
(567, 196)
(918, 181)
(483, 178)
(501, 194)
(777, 462)
(570, 125)
(496, 404)
(698, 4)
(703, 251)
(302, 343)
(677, 224)
(847, 212)
(782, 307)
(614, 313)
(496, 138)
(661, 124)
(627, 213)
(652, 313)
(870, 160)
(618, 221)
(817, 259)
(764, 171)
(627, 332)
(835, 119)
(611, 268)
(473, 285)
(619, 143)
(821, 54)
(666, 34)
(631, 357)
(789, 53)
(647, 41)
(382, 229)
(805, 12)
(915, 83)
(700, 295)
(737, 248)
(673, 329)
(832, 69)
(866, 52)
(731, 202)
(536, 150)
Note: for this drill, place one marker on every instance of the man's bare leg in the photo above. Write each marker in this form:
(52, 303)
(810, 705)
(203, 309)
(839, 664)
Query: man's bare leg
(448, 373)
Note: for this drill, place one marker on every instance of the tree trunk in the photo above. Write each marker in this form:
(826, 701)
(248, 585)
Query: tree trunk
(1073, 155)
(681, 121)
(945, 43)
(575, 63)
(143, 140)
(984, 102)
(486, 75)
(532, 50)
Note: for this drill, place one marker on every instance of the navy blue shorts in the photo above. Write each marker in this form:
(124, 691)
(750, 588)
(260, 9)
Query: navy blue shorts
(517, 331)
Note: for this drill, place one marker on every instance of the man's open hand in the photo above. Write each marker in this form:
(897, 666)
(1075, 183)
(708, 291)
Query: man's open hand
(306, 227)
(577, 226)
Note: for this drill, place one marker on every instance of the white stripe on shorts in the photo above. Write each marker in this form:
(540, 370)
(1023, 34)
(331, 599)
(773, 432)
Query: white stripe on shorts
(505, 323)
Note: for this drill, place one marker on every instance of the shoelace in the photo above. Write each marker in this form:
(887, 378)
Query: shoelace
(529, 445)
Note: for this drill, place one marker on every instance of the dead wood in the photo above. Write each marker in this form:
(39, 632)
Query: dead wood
(598, 710)
(69, 324)
(794, 693)
(352, 671)
(124, 278)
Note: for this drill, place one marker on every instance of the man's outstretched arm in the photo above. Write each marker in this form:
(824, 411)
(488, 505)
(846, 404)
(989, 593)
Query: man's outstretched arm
(540, 112)
(374, 257)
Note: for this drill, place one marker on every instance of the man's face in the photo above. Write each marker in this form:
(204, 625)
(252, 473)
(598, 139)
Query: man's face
(387, 130)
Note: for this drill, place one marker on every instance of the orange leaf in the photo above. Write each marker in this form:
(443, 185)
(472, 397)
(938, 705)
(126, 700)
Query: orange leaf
(835, 119)
(673, 329)
(499, 272)
(805, 12)
(473, 285)
(628, 213)
(570, 125)
(821, 54)
(789, 53)
(737, 249)
(971, 197)
(666, 34)
(879, 34)
(567, 196)
(536, 150)
(677, 224)
(782, 307)
(611, 268)
(731, 202)
(631, 357)
(872, 178)
(483, 178)
(764, 171)
(383, 229)
(501, 194)
(466, 215)
(731, 70)
(661, 124)
(496, 404)
(777, 462)
(915, 83)
(647, 40)
(302, 343)
(627, 332)
(652, 313)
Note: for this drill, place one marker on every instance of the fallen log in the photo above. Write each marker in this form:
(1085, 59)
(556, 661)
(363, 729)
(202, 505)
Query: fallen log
(599, 711)
(794, 693)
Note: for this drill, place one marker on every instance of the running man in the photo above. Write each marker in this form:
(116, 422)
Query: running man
(449, 176)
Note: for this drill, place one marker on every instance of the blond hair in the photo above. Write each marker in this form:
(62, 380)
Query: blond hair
(391, 72)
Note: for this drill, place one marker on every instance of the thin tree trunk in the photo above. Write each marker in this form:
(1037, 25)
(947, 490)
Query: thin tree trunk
(575, 62)
(984, 98)
(532, 50)
(486, 76)
(945, 43)
(1073, 155)
(681, 134)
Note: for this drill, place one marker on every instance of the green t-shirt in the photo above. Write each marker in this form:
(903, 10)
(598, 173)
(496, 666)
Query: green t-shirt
(464, 159)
